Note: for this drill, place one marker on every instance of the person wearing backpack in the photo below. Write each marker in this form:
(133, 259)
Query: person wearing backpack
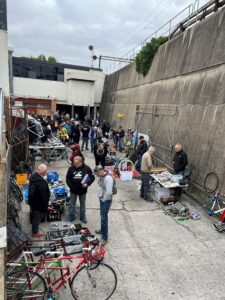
(100, 152)
(107, 188)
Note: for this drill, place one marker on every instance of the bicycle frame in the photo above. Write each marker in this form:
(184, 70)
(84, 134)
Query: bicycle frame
(215, 201)
(47, 264)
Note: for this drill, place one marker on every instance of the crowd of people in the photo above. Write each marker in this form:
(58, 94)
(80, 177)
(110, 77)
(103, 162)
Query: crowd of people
(80, 176)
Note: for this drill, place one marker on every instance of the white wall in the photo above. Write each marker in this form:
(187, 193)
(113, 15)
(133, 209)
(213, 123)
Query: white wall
(37, 88)
(81, 88)
(80, 93)
(4, 68)
(96, 76)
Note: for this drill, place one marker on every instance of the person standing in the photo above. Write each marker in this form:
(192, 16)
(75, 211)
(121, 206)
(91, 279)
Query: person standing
(38, 198)
(105, 194)
(142, 148)
(93, 135)
(180, 161)
(119, 136)
(146, 167)
(75, 151)
(78, 178)
(100, 153)
(85, 135)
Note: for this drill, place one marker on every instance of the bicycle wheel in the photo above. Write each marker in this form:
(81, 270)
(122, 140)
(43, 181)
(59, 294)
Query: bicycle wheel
(94, 282)
(15, 190)
(211, 182)
(25, 285)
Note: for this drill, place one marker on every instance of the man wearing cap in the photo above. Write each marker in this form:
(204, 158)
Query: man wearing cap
(105, 194)
(142, 148)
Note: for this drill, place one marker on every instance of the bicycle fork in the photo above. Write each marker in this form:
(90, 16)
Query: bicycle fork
(92, 280)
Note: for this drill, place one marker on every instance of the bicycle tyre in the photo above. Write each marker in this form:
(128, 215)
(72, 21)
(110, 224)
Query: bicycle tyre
(211, 182)
(22, 284)
(13, 202)
(15, 190)
(105, 279)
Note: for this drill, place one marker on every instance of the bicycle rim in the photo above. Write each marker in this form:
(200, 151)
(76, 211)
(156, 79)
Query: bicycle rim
(211, 182)
(94, 282)
(25, 285)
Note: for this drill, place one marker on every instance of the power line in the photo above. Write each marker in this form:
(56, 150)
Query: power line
(135, 28)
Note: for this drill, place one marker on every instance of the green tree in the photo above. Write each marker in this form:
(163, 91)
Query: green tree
(145, 57)
(52, 59)
(41, 57)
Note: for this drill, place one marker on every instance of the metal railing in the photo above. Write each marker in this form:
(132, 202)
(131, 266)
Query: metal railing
(186, 18)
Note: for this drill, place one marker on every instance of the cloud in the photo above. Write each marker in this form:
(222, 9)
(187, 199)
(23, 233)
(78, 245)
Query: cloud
(65, 28)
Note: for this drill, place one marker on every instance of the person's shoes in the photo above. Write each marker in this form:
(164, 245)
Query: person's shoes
(148, 198)
(141, 196)
(103, 242)
(82, 150)
(38, 234)
(98, 231)
(87, 148)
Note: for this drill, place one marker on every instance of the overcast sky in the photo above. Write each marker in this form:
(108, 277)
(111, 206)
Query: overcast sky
(65, 28)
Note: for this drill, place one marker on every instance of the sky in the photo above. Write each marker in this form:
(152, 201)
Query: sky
(65, 28)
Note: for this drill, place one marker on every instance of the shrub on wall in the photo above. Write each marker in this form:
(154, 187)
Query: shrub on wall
(145, 57)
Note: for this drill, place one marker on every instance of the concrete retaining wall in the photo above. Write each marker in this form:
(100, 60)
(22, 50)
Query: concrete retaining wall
(183, 97)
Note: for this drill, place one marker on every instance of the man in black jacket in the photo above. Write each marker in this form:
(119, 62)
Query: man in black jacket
(142, 148)
(100, 153)
(79, 177)
(180, 161)
(38, 198)
(85, 136)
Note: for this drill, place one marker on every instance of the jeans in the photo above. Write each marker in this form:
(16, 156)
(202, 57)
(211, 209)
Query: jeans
(178, 190)
(145, 186)
(104, 210)
(72, 210)
(93, 144)
(84, 142)
(139, 158)
(120, 144)
(37, 216)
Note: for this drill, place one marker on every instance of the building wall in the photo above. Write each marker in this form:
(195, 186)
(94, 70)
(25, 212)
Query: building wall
(81, 88)
(181, 99)
(80, 93)
(36, 88)
(4, 68)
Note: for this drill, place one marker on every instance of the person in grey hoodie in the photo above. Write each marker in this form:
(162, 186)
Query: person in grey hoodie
(105, 194)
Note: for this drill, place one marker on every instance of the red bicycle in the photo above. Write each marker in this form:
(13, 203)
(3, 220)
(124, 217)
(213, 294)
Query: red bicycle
(89, 279)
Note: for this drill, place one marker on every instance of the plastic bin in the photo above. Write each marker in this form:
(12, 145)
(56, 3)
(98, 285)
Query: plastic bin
(126, 175)
(52, 176)
(160, 191)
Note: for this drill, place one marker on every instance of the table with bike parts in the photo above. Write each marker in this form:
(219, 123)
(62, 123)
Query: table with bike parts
(45, 148)
(167, 180)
